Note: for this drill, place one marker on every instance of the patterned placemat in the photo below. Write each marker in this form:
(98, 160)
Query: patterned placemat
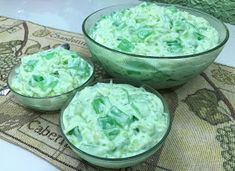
(203, 130)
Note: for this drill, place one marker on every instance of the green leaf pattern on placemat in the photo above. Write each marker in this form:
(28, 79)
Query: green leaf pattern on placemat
(226, 137)
(33, 49)
(223, 76)
(12, 119)
(7, 57)
(204, 103)
(41, 33)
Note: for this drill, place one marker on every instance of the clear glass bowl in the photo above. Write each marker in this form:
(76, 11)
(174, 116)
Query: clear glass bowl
(51, 103)
(159, 72)
(127, 161)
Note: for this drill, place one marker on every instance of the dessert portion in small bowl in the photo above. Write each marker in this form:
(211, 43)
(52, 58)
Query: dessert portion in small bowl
(160, 44)
(115, 124)
(45, 80)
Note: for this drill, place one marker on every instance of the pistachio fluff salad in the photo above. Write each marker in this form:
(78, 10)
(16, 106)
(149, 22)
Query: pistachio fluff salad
(49, 73)
(153, 30)
(114, 120)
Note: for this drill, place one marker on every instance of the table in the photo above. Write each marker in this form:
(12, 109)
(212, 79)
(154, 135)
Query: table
(66, 15)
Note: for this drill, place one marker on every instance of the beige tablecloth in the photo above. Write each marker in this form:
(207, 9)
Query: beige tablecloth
(203, 131)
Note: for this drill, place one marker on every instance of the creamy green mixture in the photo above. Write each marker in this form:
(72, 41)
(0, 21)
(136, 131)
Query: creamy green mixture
(49, 73)
(115, 120)
(152, 30)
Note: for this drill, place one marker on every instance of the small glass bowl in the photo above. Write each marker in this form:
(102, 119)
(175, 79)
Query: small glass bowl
(160, 72)
(51, 103)
(120, 162)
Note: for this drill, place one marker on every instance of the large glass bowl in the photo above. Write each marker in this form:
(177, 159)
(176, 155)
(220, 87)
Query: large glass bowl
(159, 72)
(51, 103)
(127, 161)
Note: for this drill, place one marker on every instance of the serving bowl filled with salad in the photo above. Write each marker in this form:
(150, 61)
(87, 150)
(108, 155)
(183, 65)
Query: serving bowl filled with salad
(114, 123)
(159, 44)
(46, 80)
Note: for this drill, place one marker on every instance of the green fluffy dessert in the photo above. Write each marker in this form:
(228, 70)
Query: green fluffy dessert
(50, 73)
(152, 30)
(115, 120)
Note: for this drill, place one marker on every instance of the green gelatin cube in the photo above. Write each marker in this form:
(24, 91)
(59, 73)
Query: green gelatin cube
(144, 33)
(38, 78)
(49, 55)
(84, 69)
(173, 43)
(75, 132)
(125, 45)
(116, 23)
(65, 62)
(172, 8)
(179, 26)
(119, 116)
(174, 46)
(111, 133)
(198, 36)
(73, 63)
(119, 24)
(99, 104)
(107, 122)
(53, 83)
(30, 65)
(74, 54)
(139, 20)
(39, 81)
(109, 126)
(168, 20)
(56, 73)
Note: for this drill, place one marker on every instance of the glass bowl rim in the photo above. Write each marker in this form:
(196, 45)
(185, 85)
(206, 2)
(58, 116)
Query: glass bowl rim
(66, 93)
(133, 83)
(222, 43)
